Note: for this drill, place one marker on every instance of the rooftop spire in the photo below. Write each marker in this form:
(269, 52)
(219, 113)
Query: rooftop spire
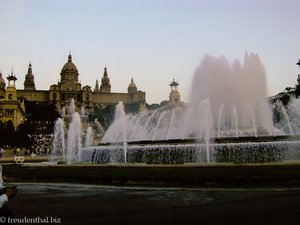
(29, 79)
(70, 57)
(105, 83)
(105, 72)
(97, 86)
(29, 72)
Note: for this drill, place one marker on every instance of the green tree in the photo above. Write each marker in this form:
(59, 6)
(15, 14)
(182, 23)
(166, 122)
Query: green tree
(105, 116)
(40, 117)
(163, 103)
(10, 136)
(132, 108)
(152, 106)
(156, 105)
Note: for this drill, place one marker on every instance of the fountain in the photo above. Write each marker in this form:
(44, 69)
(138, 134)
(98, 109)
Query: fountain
(71, 108)
(69, 134)
(223, 92)
(58, 144)
(73, 153)
(88, 137)
(99, 128)
(228, 119)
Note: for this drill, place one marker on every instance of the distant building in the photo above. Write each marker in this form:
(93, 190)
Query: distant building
(69, 87)
(174, 97)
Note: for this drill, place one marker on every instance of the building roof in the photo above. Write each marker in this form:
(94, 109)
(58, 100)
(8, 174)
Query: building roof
(12, 77)
(174, 83)
(69, 66)
(132, 84)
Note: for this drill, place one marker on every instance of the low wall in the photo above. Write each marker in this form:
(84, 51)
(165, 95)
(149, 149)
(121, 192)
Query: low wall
(213, 175)
(249, 152)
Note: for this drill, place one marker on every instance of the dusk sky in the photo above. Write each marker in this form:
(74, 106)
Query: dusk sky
(152, 41)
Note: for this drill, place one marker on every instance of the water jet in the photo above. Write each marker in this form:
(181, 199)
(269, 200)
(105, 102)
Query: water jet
(225, 118)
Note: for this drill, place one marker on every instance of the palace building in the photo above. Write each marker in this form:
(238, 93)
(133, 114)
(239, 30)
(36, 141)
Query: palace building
(69, 87)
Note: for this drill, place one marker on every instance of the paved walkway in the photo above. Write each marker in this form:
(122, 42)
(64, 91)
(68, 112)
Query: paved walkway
(87, 204)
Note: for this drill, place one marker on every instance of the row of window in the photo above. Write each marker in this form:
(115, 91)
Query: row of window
(69, 96)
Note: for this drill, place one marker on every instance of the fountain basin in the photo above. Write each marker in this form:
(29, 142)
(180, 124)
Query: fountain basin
(268, 149)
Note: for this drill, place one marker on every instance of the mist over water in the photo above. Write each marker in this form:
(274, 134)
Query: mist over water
(227, 100)
(237, 94)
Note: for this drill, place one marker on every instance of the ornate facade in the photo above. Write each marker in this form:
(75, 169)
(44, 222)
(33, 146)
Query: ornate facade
(12, 107)
(70, 87)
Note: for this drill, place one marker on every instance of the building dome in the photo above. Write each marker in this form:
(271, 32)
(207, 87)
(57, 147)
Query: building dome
(132, 84)
(69, 71)
(2, 82)
(132, 87)
(69, 65)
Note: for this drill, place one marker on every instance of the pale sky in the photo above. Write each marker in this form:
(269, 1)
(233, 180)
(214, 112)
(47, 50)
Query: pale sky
(152, 41)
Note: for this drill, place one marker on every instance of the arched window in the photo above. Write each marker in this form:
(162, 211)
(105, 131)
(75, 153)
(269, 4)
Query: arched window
(54, 97)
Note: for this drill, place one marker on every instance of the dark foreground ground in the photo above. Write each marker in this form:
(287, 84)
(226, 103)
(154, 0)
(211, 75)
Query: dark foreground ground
(193, 175)
(73, 204)
(143, 194)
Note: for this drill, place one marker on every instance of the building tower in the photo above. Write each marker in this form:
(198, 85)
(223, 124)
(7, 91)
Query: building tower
(13, 108)
(29, 79)
(174, 97)
(2, 86)
(297, 89)
(97, 87)
(105, 83)
(69, 87)
(12, 80)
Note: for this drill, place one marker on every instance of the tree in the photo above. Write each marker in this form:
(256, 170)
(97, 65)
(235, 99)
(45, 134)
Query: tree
(14, 138)
(6, 132)
(105, 116)
(132, 108)
(41, 111)
(163, 103)
(152, 106)
(40, 117)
